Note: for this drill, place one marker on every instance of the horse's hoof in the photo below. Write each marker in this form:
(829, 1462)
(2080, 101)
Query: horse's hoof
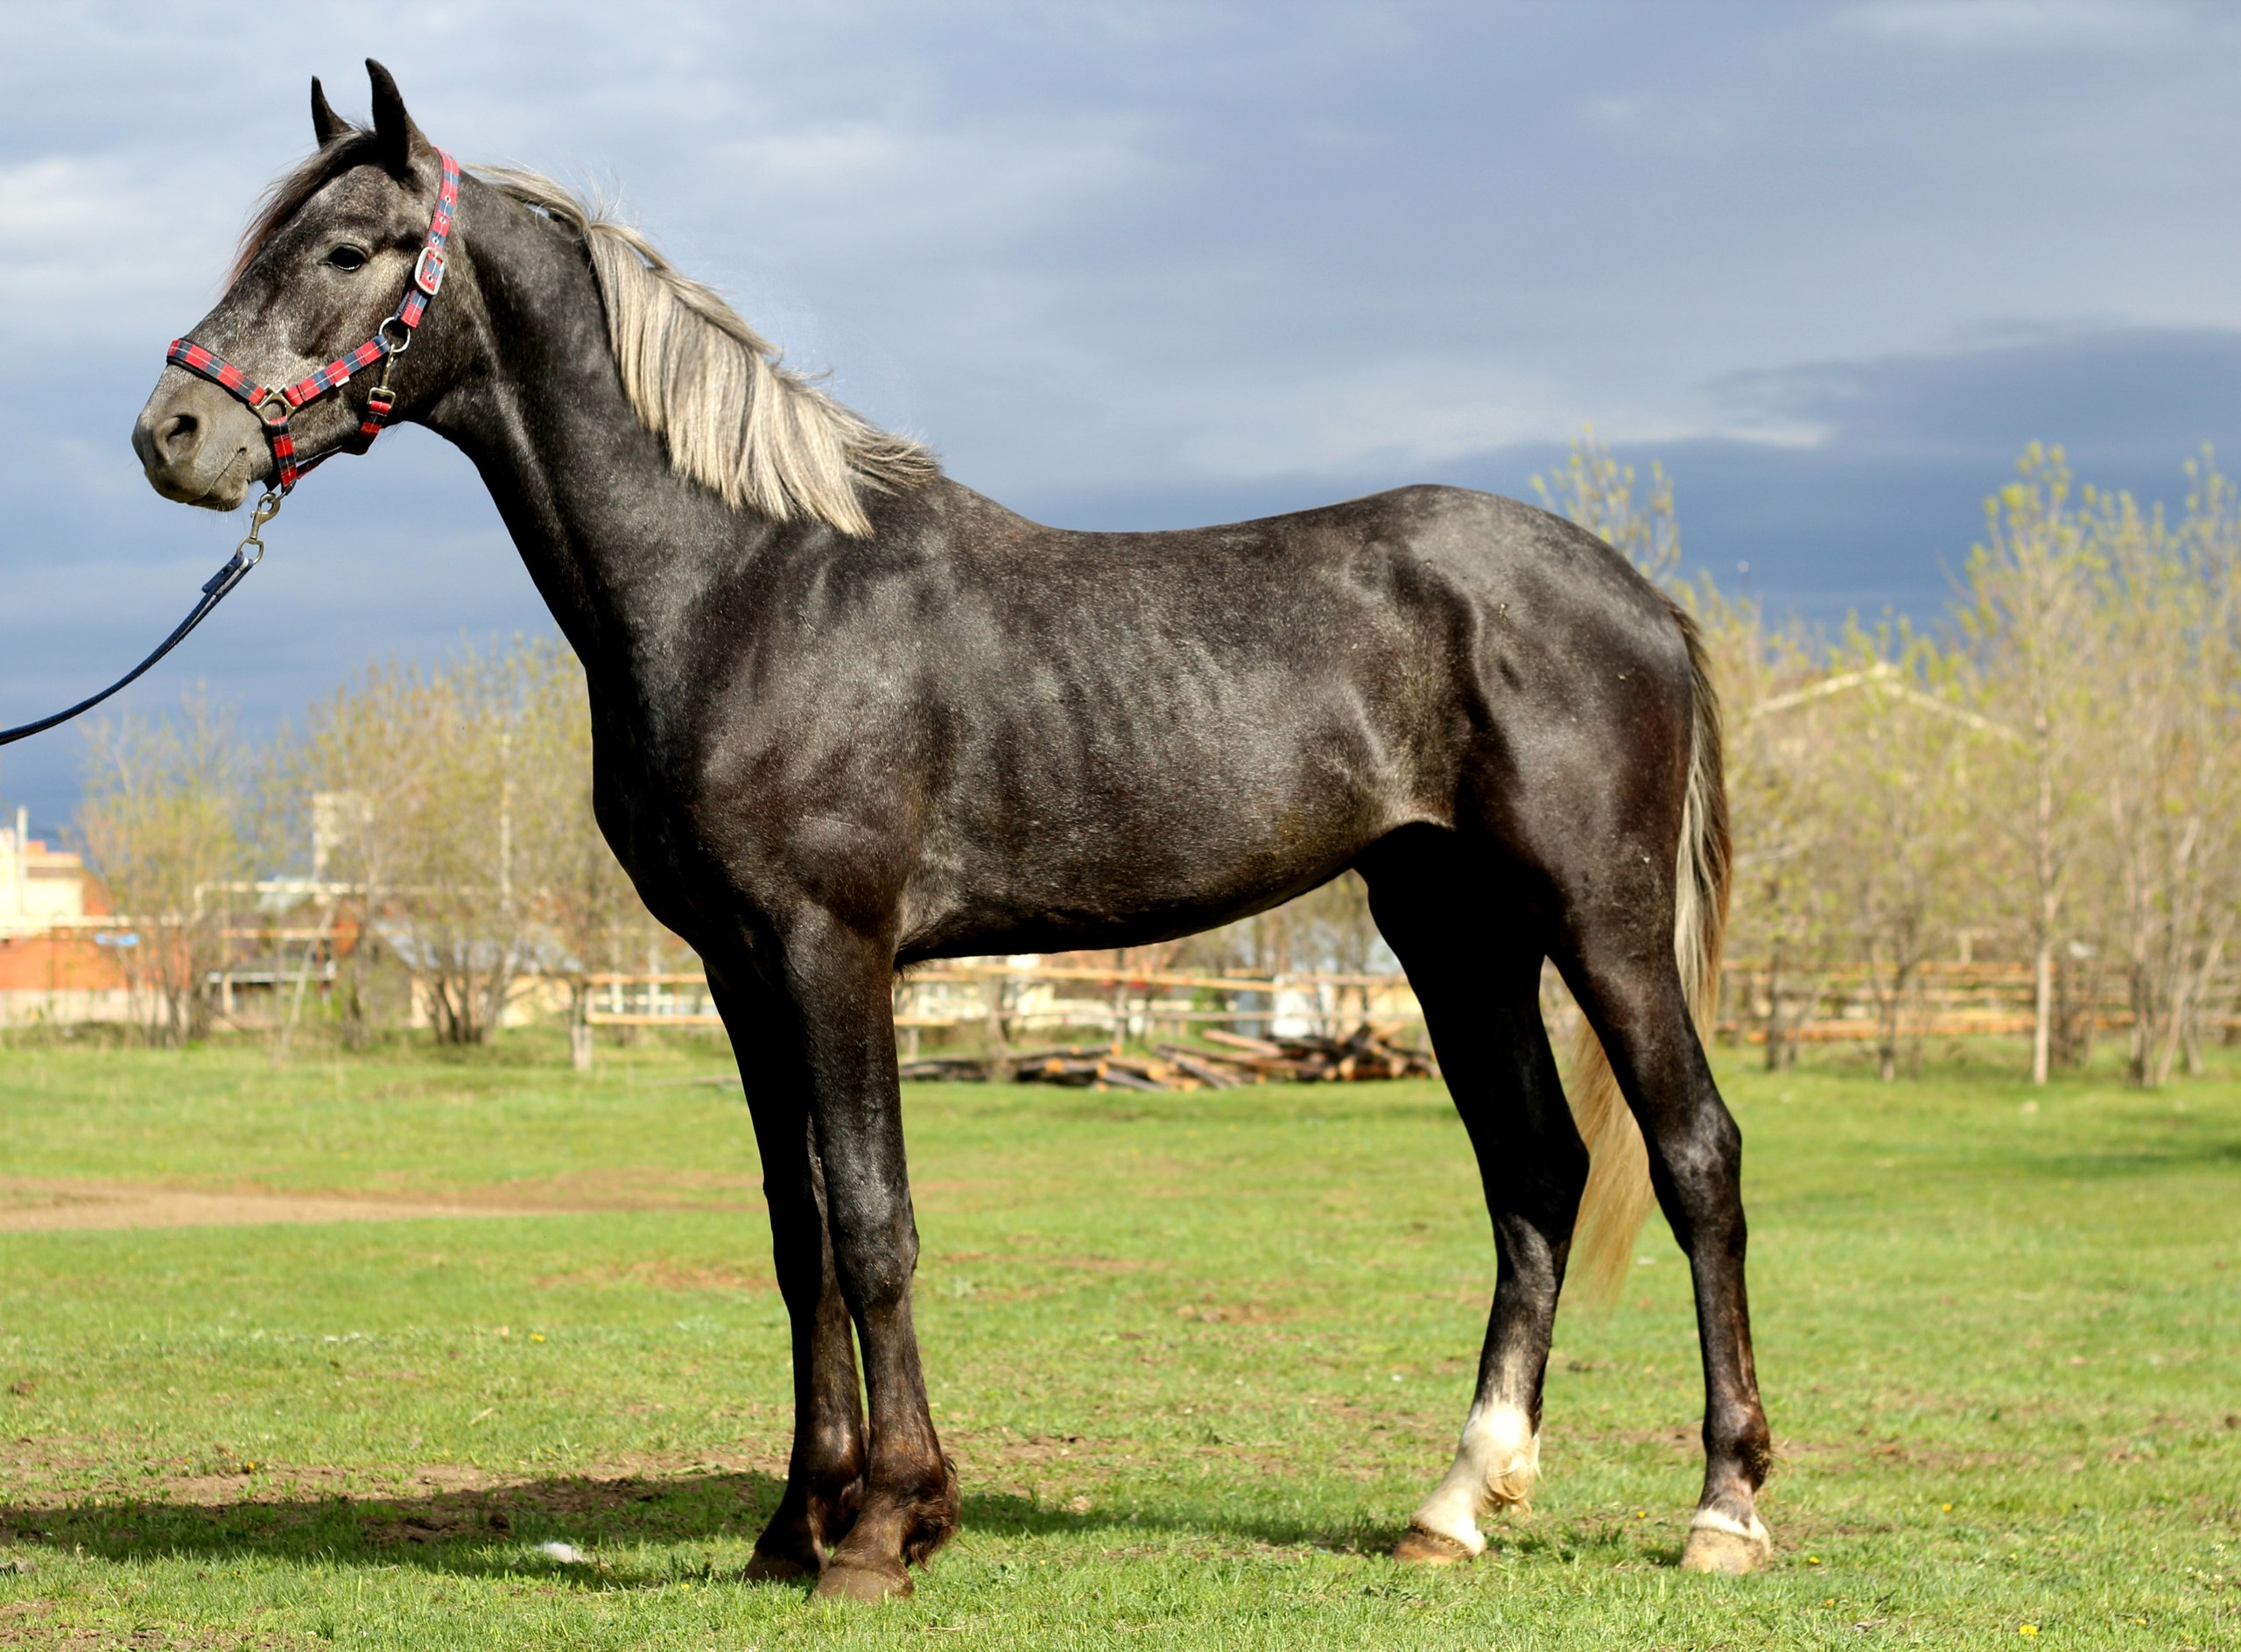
(845, 1580)
(776, 1569)
(1420, 1548)
(1725, 1552)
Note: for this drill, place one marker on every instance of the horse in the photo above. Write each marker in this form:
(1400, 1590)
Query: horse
(849, 715)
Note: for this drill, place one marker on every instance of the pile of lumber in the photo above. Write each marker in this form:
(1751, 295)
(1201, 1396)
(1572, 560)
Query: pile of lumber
(1226, 1061)
(1368, 1052)
(1085, 1067)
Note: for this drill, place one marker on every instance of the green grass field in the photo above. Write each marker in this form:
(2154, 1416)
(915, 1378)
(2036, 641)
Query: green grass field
(1197, 1356)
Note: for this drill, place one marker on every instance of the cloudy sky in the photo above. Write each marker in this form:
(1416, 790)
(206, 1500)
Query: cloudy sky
(1154, 263)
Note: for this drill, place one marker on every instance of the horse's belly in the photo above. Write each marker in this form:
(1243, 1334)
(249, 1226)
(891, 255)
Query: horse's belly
(1087, 846)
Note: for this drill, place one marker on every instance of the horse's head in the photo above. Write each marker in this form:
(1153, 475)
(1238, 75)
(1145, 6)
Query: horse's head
(319, 273)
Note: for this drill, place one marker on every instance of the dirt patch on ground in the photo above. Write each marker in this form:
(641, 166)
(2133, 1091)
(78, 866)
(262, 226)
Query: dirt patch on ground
(383, 1492)
(1108, 1264)
(42, 1203)
(36, 1204)
(662, 1273)
(606, 1187)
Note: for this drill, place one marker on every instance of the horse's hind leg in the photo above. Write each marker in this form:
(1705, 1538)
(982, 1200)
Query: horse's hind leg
(1630, 987)
(1477, 973)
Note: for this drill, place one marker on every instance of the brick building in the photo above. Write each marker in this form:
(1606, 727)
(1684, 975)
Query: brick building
(60, 944)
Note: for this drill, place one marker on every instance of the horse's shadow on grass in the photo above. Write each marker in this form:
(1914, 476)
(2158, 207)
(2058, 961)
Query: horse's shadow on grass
(498, 1530)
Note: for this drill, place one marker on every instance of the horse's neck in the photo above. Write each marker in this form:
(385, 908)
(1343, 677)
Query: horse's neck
(619, 545)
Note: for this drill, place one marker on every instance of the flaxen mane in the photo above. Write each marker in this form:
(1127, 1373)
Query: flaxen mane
(698, 376)
(711, 387)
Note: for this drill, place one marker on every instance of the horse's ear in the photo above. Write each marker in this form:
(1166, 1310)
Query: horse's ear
(399, 136)
(327, 125)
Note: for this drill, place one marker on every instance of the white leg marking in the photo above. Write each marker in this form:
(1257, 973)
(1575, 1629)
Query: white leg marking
(1713, 1520)
(1496, 1462)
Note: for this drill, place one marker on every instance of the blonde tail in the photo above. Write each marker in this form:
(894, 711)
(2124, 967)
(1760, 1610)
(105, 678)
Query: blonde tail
(1618, 1195)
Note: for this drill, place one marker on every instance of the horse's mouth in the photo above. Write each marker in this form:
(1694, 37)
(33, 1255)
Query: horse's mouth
(224, 492)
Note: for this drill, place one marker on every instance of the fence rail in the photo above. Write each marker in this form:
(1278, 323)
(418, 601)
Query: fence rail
(1944, 998)
(1129, 1002)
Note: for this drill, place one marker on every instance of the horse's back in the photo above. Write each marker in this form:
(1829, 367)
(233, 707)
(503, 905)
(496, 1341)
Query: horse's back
(1404, 550)
(1434, 613)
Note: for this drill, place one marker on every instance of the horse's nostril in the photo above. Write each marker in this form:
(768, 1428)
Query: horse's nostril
(181, 436)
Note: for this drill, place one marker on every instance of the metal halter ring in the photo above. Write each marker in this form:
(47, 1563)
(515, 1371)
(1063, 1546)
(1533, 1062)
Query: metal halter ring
(267, 508)
(404, 335)
(274, 409)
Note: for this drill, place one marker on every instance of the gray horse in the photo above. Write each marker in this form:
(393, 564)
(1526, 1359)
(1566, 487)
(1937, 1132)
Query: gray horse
(848, 715)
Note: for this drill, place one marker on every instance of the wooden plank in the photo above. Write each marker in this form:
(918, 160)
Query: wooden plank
(688, 1018)
(1239, 1041)
(1205, 1072)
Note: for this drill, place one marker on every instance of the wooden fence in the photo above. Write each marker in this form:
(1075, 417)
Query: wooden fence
(1940, 1000)
(1944, 998)
(1126, 1003)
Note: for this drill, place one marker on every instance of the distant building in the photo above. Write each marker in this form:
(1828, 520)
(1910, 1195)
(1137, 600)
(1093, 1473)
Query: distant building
(59, 942)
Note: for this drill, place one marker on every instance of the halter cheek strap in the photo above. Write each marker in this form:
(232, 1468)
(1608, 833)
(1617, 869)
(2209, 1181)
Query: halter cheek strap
(390, 341)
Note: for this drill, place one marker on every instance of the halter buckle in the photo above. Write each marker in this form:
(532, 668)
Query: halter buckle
(428, 271)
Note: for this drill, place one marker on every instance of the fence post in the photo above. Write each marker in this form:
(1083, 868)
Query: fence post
(1000, 1055)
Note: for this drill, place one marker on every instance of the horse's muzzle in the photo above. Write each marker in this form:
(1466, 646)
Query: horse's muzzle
(197, 443)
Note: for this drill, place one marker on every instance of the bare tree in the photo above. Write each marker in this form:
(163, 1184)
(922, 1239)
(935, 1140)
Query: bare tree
(2030, 619)
(1773, 809)
(459, 797)
(164, 820)
(1898, 754)
(2169, 779)
(361, 770)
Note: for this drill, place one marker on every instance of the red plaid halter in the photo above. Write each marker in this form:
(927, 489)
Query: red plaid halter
(390, 341)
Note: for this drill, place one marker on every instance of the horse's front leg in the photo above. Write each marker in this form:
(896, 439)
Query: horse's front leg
(825, 1473)
(841, 984)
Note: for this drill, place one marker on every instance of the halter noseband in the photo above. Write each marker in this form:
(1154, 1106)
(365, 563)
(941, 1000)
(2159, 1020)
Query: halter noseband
(390, 341)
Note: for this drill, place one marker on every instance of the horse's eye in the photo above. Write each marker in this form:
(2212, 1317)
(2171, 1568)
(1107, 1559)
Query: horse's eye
(346, 258)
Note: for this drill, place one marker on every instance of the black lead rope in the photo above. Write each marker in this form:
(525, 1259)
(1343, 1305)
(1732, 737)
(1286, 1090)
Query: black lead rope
(246, 556)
